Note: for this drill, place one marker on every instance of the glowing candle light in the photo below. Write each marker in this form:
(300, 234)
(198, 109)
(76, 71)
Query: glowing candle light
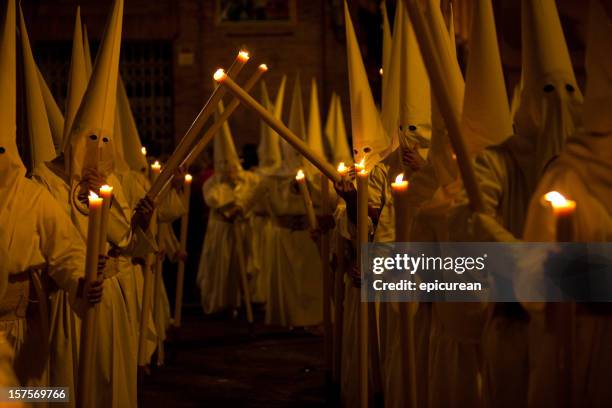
(106, 193)
(400, 201)
(362, 240)
(310, 212)
(143, 150)
(342, 169)
(563, 210)
(155, 170)
(380, 71)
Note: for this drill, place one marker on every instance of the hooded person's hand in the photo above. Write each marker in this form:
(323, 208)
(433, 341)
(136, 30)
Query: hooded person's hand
(143, 214)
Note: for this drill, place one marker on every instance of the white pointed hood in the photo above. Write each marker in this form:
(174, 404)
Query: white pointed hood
(415, 96)
(87, 52)
(132, 145)
(387, 44)
(335, 132)
(596, 116)
(315, 131)
(54, 114)
(91, 136)
(389, 114)
(224, 151)
(39, 132)
(77, 81)
(550, 101)
(486, 114)
(268, 151)
(12, 170)
(370, 142)
(292, 160)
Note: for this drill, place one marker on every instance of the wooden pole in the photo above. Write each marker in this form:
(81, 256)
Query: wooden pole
(86, 356)
(296, 142)
(338, 308)
(362, 239)
(309, 207)
(246, 293)
(186, 143)
(327, 284)
(180, 276)
(438, 78)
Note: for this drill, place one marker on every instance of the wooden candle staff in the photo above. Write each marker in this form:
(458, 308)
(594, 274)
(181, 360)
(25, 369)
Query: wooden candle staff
(324, 249)
(99, 208)
(339, 297)
(187, 141)
(310, 212)
(180, 276)
(565, 312)
(296, 142)
(449, 110)
(406, 317)
(362, 240)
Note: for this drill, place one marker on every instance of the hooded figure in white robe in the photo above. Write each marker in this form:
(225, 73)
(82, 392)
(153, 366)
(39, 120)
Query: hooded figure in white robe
(37, 239)
(228, 193)
(290, 256)
(547, 112)
(581, 173)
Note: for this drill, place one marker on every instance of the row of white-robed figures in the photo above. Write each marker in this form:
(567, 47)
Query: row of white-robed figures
(549, 139)
(44, 221)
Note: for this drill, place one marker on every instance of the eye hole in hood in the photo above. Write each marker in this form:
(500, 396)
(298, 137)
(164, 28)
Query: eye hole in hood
(549, 88)
(2, 150)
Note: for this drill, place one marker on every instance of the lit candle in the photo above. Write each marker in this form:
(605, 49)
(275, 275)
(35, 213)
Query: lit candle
(400, 199)
(94, 221)
(342, 169)
(278, 126)
(195, 130)
(310, 212)
(563, 209)
(380, 71)
(180, 276)
(213, 130)
(106, 193)
(143, 150)
(324, 250)
(155, 171)
(362, 240)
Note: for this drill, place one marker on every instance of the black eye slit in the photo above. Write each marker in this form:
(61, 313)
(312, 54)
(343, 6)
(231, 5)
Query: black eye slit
(2, 150)
(549, 88)
(569, 88)
(412, 128)
(93, 137)
(105, 139)
(367, 150)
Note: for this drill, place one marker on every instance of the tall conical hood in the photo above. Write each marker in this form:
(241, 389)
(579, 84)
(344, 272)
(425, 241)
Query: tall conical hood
(415, 96)
(121, 166)
(87, 52)
(486, 114)
(387, 41)
(11, 166)
(315, 133)
(92, 129)
(268, 150)
(54, 114)
(598, 99)
(225, 156)
(279, 102)
(336, 133)
(39, 133)
(550, 103)
(77, 80)
(292, 160)
(370, 143)
(391, 90)
(544, 51)
(132, 145)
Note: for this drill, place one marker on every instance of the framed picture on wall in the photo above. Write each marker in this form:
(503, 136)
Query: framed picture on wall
(255, 13)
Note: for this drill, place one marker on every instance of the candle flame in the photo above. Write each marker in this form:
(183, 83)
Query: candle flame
(156, 165)
(263, 67)
(299, 175)
(361, 164)
(188, 178)
(380, 71)
(143, 150)
(243, 55)
(106, 189)
(219, 75)
(399, 179)
(558, 200)
(342, 168)
(93, 196)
